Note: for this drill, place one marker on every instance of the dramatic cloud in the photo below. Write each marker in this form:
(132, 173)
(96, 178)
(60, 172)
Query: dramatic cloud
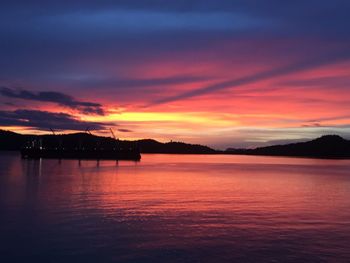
(44, 120)
(124, 130)
(277, 72)
(203, 67)
(55, 97)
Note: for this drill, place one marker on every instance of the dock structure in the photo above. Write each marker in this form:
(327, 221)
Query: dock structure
(80, 154)
(84, 147)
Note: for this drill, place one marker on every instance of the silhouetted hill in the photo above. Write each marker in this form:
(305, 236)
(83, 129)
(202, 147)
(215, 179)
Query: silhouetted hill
(14, 141)
(152, 146)
(328, 146)
(11, 140)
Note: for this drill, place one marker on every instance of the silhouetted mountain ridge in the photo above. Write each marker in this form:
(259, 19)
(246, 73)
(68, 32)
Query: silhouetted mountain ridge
(14, 141)
(153, 146)
(327, 146)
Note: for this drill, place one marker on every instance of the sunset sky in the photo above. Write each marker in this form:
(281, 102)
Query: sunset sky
(230, 73)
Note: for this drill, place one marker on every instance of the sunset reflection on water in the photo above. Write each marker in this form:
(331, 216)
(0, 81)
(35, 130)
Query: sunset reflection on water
(172, 208)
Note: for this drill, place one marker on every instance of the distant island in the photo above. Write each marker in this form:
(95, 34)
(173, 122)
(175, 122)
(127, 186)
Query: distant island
(328, 146)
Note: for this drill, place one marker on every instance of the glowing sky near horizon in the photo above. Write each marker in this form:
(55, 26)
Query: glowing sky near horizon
(222, 73)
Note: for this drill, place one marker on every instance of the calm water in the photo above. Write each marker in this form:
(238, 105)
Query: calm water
(173, 208)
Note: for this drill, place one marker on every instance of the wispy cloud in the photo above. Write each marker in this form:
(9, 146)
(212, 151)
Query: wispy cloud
(55, 97)
(276, 72)
(45, 120)
(124, 130)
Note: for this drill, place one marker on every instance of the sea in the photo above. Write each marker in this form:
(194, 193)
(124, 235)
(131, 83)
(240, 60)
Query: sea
(175, 208)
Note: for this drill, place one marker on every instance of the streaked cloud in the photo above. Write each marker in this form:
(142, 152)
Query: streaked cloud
(44, 120)
(55, 97)
(260, 76)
